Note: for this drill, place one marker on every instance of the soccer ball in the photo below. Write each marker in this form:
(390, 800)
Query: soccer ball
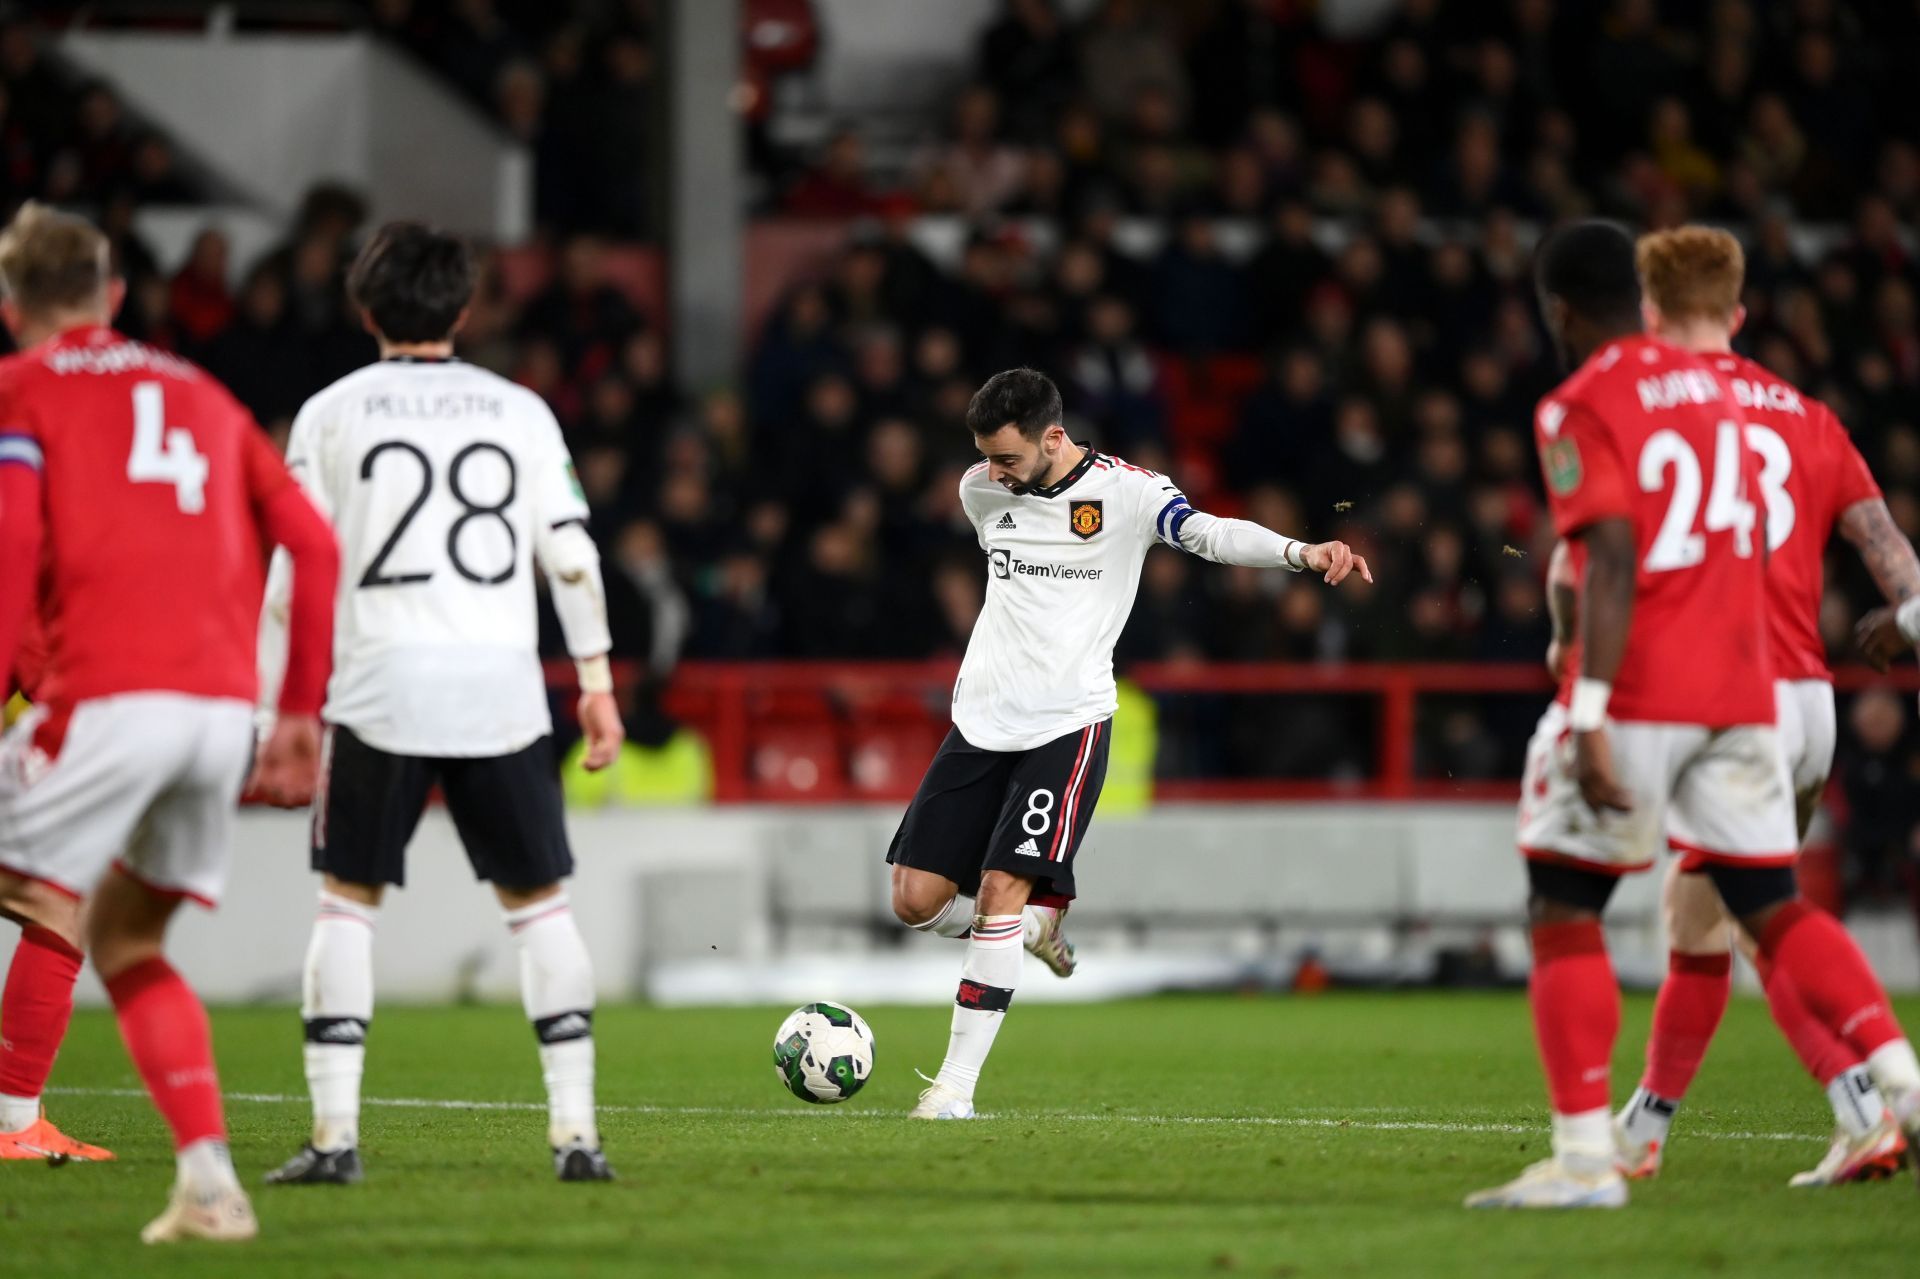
(823, 1053)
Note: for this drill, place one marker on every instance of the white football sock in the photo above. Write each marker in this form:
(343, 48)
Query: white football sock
(556, 988)
(336, 1002)
(1857, 1105)
(1648, 1117)
(1036, 920)
(1894, 1067)
(954, 920)
(17, 1113)
(1584, 1139)
(205, 1168)
(987, 981)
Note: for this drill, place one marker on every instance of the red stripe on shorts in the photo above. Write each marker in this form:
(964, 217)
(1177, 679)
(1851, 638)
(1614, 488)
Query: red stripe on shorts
(1070, 804)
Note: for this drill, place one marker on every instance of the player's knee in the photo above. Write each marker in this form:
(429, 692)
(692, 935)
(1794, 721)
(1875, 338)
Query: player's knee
(1697, 922)
(1002, 893)
(518, 898)
(1695, 930)
(918, 898)
(1753, 894)
(1560, 894)
(1554, 910)
(363, 894)
(116, 948)
(27, 901)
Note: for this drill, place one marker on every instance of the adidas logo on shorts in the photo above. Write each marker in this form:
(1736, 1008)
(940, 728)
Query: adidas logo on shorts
(1006, 521)
(1028, 849)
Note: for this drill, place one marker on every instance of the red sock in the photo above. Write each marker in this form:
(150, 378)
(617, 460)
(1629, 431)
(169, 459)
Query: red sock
(168, 1038)
(1058, 901)
(35, 1007)
(1821, 1051)
(1810, 950)
(1576, 1013)
(1687, 1011)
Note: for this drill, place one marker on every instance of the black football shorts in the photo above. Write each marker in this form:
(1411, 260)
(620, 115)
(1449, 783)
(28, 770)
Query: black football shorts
(1023, 812)
(507, 809)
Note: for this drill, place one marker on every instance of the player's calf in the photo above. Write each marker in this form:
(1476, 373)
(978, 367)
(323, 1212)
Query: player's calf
(1576, 1015)
(988, 978)
(36, 1004)
(1686, 1013)
(556, 987)
(336, 1008)
(1809, 949)
(166, 1032)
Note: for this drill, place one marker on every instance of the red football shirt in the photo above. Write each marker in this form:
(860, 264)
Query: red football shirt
(153, 565)
(1810, 473)
(29, 662)
(1646, 432)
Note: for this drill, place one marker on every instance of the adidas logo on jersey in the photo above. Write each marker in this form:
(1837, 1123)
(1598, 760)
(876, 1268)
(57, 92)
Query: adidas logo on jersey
(1006, 521)
(1028, 849)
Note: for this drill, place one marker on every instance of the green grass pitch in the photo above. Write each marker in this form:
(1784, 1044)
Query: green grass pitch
(1259, 1136)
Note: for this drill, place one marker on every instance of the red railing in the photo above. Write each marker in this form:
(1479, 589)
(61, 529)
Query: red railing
(742, 707)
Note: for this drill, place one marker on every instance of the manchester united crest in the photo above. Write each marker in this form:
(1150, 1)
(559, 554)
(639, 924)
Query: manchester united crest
(1085, 519)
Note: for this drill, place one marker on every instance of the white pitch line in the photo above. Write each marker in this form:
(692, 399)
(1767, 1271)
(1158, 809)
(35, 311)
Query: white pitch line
(1035, 1116)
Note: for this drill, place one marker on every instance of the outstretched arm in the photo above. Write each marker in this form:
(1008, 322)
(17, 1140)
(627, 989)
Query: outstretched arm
(1228, 541)
(1889, 557)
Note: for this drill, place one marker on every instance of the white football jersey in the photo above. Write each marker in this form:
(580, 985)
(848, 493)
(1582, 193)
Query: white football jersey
(1063, 565)
(443, 481)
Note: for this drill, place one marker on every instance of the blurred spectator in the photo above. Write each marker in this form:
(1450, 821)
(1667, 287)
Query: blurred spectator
(582, 311)
(1126, 49)
(1879, 774)
(1200, 299)
(1026, 55)
(982, 173)
(1112, 381)
(622, 128)
(837, 186)
(260, 356)
(198, 299)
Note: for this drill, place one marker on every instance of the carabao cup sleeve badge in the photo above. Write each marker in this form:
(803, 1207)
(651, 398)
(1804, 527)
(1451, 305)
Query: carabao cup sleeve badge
(1563, 466)
(1085, 518)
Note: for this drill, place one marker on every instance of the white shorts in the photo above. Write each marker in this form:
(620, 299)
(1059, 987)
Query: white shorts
(148, 778)
(1805, 708)
(1806, 729)
(1718, 795)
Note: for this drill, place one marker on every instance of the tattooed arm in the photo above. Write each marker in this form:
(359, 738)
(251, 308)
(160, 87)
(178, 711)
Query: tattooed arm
(1883, 633)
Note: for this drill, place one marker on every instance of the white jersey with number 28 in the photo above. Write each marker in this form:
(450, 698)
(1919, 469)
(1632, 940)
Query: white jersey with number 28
(444, 482)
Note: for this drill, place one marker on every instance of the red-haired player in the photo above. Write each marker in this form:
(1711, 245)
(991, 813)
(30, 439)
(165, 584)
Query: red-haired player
(1667, 721)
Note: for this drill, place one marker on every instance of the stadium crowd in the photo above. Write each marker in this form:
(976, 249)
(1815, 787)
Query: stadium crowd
(1328, 326)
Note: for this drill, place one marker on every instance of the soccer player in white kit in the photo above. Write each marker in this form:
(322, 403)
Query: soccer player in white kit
(447, 485)
(985, 851)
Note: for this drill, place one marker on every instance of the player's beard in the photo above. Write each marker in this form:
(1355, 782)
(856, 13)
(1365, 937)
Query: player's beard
(1041, 465)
